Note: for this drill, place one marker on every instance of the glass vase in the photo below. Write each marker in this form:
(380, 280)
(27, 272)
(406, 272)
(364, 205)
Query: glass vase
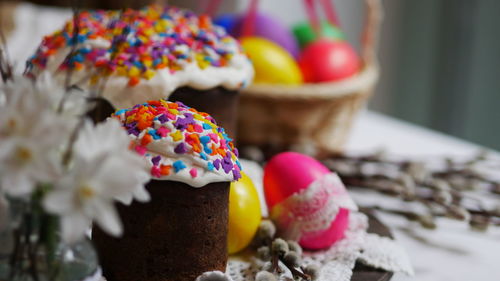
(31, 248)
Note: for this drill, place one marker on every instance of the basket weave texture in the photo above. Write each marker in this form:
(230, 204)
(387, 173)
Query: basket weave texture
(321, 114)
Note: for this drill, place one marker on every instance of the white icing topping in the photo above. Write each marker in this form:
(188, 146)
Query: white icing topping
(236, 75)
(194, 166)
(165, 149)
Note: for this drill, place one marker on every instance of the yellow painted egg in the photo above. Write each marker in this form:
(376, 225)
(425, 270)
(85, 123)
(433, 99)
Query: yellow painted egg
(272, 63)
(244, 214)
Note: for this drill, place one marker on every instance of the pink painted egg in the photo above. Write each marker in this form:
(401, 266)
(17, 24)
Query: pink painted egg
(328, 60)
(307, 201)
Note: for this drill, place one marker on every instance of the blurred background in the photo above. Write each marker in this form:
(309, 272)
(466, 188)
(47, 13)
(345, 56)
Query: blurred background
(440, 59)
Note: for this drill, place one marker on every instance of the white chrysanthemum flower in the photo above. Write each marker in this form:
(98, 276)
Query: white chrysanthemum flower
(112, 139)
(75, 101)
(103, 170)
(26, 162)
(48, 92)
(31, 138)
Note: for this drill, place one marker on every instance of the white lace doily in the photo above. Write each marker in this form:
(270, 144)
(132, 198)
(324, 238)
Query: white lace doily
(337, 262)
(383, 252)
(312, 209)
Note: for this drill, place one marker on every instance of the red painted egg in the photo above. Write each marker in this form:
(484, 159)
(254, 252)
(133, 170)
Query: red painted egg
(288, 173)
(328, 60)
(307, 201)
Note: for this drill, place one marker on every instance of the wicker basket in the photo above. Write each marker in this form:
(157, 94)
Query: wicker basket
(7, 10)
(279, 117)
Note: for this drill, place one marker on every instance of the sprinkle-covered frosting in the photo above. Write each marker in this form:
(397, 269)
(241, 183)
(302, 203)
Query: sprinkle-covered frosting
(151, 52)
(181, 143)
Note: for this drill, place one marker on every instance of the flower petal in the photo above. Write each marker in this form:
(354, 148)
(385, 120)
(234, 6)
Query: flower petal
(74, 226)
(107, 218)
(17, 184)
(141, 194)
(59, 201)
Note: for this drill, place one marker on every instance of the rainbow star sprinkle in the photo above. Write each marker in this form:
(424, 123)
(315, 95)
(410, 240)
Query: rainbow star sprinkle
(181, 143)
(137, 43)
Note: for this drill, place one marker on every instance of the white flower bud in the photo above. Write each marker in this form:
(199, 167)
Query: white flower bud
(443, 197)
(417, 171)
(440, 184)
(408, 184)
(264, 253)
(268, 266)
(427, 221)
(292, 259)
(496, 211)
(265, 276)
(313, 271)
(266, 230)
(479, 223)
(457, 212)
(279, 247)
(294, 247)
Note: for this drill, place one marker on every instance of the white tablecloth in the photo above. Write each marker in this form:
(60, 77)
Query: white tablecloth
(451, 252)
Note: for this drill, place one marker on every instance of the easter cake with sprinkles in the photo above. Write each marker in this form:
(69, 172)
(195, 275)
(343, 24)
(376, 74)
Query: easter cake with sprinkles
(158, 52)
(182, 231)
(181, 143)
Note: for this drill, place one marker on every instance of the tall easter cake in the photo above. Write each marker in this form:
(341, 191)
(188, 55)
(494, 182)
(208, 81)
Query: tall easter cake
(149, 54)
(182, 231)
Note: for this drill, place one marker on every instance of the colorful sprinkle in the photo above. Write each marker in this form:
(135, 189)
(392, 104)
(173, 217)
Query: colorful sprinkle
(210, 166)
(156, 160)
(193, 172)
(141, 150)
(176, 136)
(187, 133)
(178, 166)
(180, 148)
(165, 170)
(156, 171)
(162, 131)
(139, 43)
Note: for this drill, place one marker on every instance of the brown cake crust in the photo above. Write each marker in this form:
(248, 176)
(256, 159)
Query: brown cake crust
(179, 234)
(220, 103)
